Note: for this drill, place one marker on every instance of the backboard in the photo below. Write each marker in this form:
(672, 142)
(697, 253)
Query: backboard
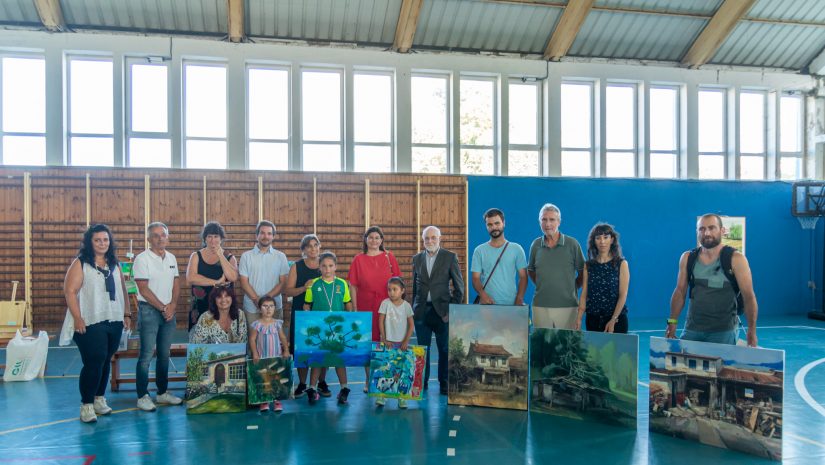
(808, 198)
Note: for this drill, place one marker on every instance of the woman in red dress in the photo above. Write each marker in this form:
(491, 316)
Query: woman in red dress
(368, 276)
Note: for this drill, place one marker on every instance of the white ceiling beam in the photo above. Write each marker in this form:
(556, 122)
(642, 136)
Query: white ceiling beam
(716, 32)
(567, 29)
(235, 23)
(407, 22)
(51, 15)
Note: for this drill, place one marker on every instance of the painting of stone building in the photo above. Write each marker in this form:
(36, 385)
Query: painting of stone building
(720, 395)
(487, 356)
(215, 378)
(588, 376)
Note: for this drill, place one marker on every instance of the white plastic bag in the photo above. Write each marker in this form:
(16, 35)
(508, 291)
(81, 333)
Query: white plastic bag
(26, 357)
(124, 340)
(67, 331)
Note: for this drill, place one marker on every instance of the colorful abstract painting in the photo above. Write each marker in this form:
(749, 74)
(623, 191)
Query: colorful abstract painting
(721, 395)
(269, 379)
(396, 373)
(332, 339)
(488, 356)
(215, 378)
(585, 375)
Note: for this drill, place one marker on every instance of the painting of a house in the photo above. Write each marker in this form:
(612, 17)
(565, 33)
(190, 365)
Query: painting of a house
(720, 395)
(487, 350)
(584, 375)
(215, 378)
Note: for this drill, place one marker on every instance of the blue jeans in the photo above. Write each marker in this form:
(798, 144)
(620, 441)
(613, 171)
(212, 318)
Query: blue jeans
(154, 331)
(431, 324)
(723, 337)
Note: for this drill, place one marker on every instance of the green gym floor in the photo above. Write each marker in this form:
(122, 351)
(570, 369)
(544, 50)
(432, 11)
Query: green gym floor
(39, 423)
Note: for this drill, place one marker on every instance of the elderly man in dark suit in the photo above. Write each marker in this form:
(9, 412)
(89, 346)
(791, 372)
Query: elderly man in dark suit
(433, 271)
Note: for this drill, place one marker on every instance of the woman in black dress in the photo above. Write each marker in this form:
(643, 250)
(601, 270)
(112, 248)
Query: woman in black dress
(208, 268)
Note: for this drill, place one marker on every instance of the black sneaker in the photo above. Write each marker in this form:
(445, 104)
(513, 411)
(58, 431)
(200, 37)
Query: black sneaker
(342, 396)
(323, 389)
(312, 396)
(300, 390)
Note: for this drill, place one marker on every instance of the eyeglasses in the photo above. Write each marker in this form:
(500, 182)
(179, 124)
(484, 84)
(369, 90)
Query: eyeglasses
(268, 306)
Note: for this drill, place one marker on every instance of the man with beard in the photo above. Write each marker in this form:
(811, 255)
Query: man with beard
(712, 312)
(498, 265)
(434, 269)
(556, 264)
(263, 272)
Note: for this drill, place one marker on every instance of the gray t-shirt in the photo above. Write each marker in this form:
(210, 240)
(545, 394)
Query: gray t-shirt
(556, 269)
(712, 306)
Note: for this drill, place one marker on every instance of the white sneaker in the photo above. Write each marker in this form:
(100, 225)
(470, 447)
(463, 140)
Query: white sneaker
(101, 407)
(402, 403)
(167, 398)
(87, 413)
(145, 403)
(379, 402)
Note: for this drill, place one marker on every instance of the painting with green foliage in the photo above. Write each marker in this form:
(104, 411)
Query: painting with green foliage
(332, 339)
(269, 379)
(215, 378)
(488, 356)
(584, 375)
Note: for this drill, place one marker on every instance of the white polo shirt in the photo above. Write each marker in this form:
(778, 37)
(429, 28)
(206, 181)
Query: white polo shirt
(160, 272)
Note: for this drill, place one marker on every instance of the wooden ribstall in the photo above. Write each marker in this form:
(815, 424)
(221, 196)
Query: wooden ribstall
(335, 206)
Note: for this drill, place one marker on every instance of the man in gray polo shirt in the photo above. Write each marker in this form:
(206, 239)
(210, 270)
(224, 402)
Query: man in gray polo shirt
(263, 271)
(555, 266)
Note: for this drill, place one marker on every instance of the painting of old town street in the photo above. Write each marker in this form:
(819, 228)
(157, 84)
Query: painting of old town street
(488, 356)
(584, 375)
(720, 395)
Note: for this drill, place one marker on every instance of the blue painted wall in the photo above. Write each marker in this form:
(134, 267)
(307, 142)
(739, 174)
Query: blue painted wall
(657, 222)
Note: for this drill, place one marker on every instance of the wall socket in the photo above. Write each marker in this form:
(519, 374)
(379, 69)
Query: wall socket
(811, 285)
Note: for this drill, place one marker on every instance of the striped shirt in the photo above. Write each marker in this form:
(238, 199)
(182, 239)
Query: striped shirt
(268, 343)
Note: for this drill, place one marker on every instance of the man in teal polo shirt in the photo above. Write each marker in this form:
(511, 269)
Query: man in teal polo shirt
(499, 268)
(555, 266)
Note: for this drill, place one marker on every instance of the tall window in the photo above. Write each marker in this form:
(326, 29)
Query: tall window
(577, 128)
(91, 111)
(478, 126)
(620, 120)
(790, 136)
(205, 115)
(664, 131)
(373, 121)
(267, 118)
(322, 118)
(23, 122)
(712, 133)
(149, 142)
(524, 151)
(752, 135)
(430, 123)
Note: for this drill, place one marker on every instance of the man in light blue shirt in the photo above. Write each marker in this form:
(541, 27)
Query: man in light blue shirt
(263, 271)
(507, 281)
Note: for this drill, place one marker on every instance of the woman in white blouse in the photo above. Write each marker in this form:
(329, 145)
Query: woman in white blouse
(95, 294)
(222, 323)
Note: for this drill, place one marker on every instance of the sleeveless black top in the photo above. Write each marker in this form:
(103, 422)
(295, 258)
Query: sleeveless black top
(303, 274)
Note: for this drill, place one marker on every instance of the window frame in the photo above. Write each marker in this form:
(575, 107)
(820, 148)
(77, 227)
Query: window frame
(725, 132)
(494, 81)
(591, 151)
(635, 131)
(3, 132)
(447, 146)
(764, 133)
(341, 143)
(390, 73)
(184, 95)
(800, 155)
(70, 134)
(513, 147)
(250, 140)
(128, 133)
(676, 130)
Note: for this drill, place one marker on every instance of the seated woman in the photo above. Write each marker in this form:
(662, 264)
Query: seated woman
(222, 323)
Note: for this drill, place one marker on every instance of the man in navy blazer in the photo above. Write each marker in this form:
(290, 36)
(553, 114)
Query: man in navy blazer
(433, 271)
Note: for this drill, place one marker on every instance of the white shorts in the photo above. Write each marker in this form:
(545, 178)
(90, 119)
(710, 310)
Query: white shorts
(555, 317)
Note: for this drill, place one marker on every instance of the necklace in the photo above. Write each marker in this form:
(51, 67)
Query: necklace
(326, 294)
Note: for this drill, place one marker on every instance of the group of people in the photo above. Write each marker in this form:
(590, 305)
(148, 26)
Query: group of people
(717, 279)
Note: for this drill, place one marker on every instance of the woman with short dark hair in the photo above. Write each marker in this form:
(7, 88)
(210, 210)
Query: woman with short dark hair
(95, 293)
(208, 268)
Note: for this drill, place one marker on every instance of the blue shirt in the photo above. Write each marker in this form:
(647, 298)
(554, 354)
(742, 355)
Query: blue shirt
(502, 287)
(263, 269)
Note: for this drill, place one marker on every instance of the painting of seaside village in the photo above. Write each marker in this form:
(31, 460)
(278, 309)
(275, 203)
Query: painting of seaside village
(215, 378)
(488, 356)
(720, 395)
(588, 376)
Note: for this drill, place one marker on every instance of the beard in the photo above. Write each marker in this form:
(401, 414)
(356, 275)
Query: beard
(496, 233)
(710, 242)
(431, 248)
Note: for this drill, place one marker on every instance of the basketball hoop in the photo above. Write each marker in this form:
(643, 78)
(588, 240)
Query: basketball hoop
(807, 222)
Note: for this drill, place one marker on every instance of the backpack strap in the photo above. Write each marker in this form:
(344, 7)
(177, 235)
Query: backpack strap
(693, 254)
(726, 260)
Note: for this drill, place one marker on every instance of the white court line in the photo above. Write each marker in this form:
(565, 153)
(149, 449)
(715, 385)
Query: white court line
(450, 452)
(758, 327)
(804, 439)
(453, 433)
(799, 383)
(643, 384)
(457, 418)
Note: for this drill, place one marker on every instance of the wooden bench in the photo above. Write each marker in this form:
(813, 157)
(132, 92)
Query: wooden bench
(177, 350)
